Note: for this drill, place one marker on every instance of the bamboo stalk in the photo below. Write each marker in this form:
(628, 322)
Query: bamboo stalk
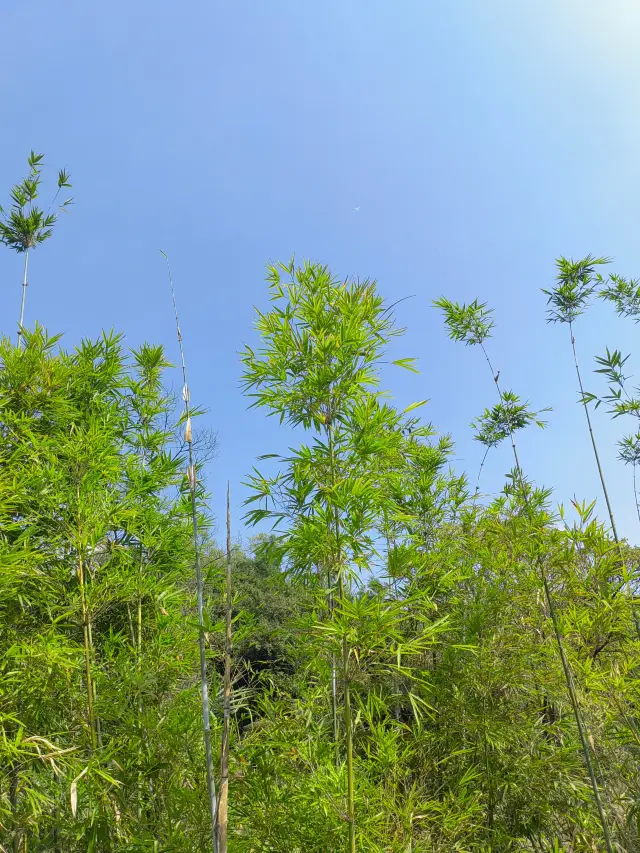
(477, 491)
(13, 802)
(593, 439)
(334, 678)
(204, 685)
(351, 808)
(139, 680)
(24, 297)
(223, 804)
(614, 530)
(576, 711)
(95, 689)
(573, 697)
(87, 654)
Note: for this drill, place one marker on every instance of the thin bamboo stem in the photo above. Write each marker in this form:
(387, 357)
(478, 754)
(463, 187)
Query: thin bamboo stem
(351, 808)
(495, 377)
(614, 530)
(139, 680)
(87, 654)
(484, 459)
(204, 686)
(593, 439)
(24, 296)
(13, 801)
(576, 711)
(95, 689)
(334, 678)
(223, 803)
(560, 643)
(393, 593)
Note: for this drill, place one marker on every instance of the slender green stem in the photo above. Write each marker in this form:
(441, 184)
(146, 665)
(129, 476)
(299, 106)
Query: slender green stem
(593, 438)
(24, 296)
(499, 390)
(334, 680)
(560, 643)
(614, 530)
(95, 689)
(87, 653)
(204, 685)
(393, 593)
(14, 782)
(576, 710)
(484, 459)
(223, 802)
(139, 680)
(351, 808)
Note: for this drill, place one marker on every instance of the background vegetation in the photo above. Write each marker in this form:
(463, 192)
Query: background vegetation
(415, 666)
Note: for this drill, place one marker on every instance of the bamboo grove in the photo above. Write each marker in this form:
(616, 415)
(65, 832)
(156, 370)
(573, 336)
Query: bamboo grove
(397, 662)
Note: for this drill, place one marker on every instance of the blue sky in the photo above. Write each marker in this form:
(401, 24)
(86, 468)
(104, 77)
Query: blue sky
(479, 138)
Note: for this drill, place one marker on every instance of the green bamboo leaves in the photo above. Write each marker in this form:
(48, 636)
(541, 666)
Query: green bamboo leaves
(577, 281)
(470, 324)
(26, 225)
(322, 343)
(504, 419)
(322, 339)
(204, 682)
(623, 294)
(94, 591)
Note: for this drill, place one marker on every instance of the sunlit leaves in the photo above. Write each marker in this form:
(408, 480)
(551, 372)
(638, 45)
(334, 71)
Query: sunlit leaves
(472, 324)
(87, 447)
(504, 419)
(576, 283)
(25, 225)
(624, 295)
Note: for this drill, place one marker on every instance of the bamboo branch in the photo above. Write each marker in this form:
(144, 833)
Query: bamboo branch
(223, 805)
(204, 686)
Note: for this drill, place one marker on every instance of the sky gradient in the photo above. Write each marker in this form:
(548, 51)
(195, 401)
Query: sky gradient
(479, 139)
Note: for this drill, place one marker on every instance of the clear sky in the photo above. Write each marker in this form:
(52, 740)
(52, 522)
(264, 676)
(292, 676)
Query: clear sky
(479, 139)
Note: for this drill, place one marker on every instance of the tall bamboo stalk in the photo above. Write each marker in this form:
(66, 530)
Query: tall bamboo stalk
(24, 297)
(14, 781)
(573, 697)
(87, 654)
(636, 617)
(139, 681)
(95, 689)
(576, 711)
(334, 675)
(592, 436)
(223, 805)
(348, 725)
(204, 686)
(484, 459)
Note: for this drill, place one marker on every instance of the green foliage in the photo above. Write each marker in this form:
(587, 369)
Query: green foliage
(624, 294)
(95, 533)
(25, 225)
(383, 592)
(577, 281)
(504, 419)
(472, 324)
